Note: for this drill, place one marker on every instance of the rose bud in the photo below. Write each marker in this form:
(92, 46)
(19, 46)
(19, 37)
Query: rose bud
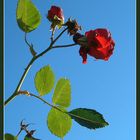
(55, 15)
(73, 26)
(100, 45)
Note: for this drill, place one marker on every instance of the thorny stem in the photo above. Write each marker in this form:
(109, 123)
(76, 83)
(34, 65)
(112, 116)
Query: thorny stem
(34, 58)
(20, 82)
(51, 45)
(23, 127)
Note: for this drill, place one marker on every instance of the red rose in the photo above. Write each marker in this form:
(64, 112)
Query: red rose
(55, 12)
(99, 45)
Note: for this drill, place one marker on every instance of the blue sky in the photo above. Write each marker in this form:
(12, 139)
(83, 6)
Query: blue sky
(106, 86)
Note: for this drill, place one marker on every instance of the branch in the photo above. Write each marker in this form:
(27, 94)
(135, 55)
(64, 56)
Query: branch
(34, 58)
(20, 82)
(38, 97)
(49, 48)
(65, 46)
(27, 93)
(55, 107)
(59, 35)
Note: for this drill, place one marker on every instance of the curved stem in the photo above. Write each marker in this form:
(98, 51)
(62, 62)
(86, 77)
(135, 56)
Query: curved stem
(51, 45)
(68, 113)
(10, 98)
(38, 97)
(59, 35)
(19, 133)
(20, 82)
(29, 66)
(65, 46)
(52, 36)
(25, 38)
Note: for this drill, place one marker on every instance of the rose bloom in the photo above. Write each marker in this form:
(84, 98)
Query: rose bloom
(55, 11)
(100, 45)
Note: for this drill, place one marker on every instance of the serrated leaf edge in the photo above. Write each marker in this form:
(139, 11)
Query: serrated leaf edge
(70, 92)
(105, 123)
(65, 112)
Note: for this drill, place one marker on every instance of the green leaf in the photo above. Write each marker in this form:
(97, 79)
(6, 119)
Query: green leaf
(27, 15)
(26, 138)
(44, 80)
(62, 93)
(88, 118)
(9, 137)
(58, 22)
(59, 123)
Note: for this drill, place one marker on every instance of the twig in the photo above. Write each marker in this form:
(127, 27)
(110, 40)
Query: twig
(51, 45)
(34, 58)
(26, 41)
(33, 52)
(38, 97)
(52, 36)
(27, 93)
(20, 82)
(59, 35)
(65, 46)
(55, 107)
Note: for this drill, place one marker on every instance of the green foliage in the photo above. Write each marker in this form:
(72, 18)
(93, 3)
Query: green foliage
(9, 137)
(88, 118)
(26, 138)
(59, 123)
(27, 15)
(44, 80)
(62, 93)
(58, 22)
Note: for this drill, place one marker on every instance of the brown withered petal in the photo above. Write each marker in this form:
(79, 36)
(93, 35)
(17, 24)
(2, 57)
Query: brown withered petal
(73, 26)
